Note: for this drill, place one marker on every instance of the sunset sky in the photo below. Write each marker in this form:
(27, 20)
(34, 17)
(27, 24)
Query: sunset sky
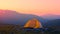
(37, 7)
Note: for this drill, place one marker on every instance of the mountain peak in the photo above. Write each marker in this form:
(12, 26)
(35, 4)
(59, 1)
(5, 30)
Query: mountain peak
(6, 11)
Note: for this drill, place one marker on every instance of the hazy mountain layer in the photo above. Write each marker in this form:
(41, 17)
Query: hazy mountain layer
(12, 17)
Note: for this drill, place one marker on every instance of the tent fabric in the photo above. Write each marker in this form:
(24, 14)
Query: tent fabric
(33, 23)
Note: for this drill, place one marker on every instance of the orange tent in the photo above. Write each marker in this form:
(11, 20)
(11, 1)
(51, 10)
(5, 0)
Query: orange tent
(33, 23)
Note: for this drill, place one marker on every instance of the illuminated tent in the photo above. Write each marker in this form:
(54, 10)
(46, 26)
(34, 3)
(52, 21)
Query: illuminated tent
(33, 23)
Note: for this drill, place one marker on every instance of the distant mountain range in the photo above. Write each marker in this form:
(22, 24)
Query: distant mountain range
(12, 17)
(51, 17)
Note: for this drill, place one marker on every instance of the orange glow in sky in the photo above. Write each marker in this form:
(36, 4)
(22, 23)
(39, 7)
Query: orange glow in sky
(38, 7)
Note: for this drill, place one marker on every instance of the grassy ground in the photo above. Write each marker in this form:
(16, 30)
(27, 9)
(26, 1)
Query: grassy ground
(10, 29)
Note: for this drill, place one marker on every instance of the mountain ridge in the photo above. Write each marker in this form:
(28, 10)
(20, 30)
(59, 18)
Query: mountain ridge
(50, 16)
(13, 17)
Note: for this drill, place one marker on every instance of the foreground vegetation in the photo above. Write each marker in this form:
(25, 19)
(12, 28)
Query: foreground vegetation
(16, 29)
